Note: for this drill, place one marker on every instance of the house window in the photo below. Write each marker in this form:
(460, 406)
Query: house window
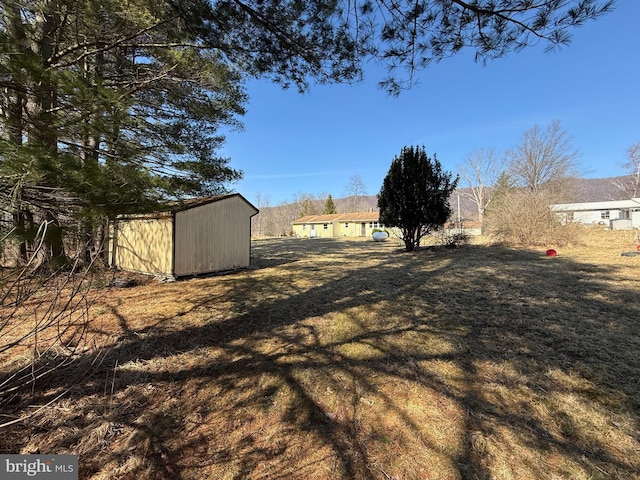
(325, 226)
(373, 224)
(304, 226)
(604, 214)
(346, 224)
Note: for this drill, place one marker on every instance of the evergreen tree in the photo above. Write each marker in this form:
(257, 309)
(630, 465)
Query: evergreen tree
(415, 195)
(106, 108)
(328, 40)
(503, 186)
(329, 206)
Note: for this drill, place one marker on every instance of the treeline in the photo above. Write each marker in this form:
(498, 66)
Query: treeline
(275, 220)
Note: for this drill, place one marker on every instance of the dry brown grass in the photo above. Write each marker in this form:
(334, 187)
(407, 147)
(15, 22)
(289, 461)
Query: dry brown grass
(348, 359)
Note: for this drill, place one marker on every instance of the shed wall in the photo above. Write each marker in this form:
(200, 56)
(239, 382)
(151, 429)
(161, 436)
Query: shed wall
(143, 245)
(213, 237)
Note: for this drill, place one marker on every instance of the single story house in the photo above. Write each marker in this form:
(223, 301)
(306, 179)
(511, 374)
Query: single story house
(616, 214)
(194, 237)
(357, 224)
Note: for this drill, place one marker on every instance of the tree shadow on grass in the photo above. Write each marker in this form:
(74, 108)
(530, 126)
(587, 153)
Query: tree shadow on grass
(350, 360)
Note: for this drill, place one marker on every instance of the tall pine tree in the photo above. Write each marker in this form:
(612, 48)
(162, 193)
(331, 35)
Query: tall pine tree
(107, 108)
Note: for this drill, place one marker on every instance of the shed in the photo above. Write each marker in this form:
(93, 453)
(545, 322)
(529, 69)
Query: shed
(194, 237)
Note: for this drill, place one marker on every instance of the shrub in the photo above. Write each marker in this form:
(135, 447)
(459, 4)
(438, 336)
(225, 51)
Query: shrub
(453, 236)
(523, 217)
(454, 239)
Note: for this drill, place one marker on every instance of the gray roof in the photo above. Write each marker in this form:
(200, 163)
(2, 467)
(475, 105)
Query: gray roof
(604, 205)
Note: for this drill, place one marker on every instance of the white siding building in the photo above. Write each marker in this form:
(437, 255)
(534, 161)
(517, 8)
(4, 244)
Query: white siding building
(617, 214)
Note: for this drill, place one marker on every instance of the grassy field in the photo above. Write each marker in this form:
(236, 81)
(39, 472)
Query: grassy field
(344, 359)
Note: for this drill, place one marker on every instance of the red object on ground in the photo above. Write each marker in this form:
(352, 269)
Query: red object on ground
(551, 253)
(638, 248)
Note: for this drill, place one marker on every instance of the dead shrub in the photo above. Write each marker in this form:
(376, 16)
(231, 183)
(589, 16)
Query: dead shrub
(524, 217)
(44, 328)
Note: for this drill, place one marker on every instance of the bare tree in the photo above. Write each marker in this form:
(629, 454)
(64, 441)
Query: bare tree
(309, 204)
(545, 159)
(283, 215)
(479, 172)
(543, 166)
(355, 189)
(258, 222)
(631, 185)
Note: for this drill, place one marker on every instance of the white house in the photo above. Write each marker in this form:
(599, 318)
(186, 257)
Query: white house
(617, 214)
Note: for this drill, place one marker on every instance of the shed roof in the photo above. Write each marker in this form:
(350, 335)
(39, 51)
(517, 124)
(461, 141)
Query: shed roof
(186, 204)
(340, 217)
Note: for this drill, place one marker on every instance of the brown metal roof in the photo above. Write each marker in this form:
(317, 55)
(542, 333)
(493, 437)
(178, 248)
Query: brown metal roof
(186, 204)
(199, 201)
(340, 217)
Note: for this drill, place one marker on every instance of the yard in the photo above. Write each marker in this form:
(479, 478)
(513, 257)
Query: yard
(347, 359)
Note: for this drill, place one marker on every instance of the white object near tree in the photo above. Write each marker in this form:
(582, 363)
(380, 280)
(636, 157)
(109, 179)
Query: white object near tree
(380, 236)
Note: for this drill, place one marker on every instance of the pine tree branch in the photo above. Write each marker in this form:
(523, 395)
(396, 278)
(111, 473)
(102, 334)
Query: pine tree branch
(103, 49)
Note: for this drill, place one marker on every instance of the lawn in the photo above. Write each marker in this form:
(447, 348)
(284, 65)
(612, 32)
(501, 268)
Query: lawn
(345, 359)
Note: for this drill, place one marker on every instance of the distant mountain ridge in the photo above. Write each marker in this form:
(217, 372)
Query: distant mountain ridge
(600, 189)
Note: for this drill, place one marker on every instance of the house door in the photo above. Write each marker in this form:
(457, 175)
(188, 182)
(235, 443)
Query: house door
(363, 229)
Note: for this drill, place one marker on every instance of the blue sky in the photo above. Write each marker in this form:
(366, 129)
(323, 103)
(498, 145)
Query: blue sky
(314, 143)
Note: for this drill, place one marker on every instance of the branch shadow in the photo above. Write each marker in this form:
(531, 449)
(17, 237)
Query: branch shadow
(329, 365)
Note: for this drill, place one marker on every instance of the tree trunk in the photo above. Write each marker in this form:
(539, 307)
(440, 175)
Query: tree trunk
(411, 239)
(19, 225)
(43, 133)
(53, 240)
(15, 99)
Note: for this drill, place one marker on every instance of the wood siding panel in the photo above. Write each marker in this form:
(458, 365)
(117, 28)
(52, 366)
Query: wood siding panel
(143, 245)
(213, 237)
